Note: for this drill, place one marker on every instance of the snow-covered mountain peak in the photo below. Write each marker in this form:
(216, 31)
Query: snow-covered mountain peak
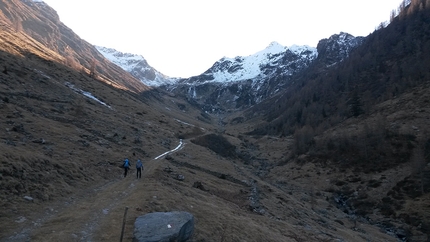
(126, 61)
(137, 66)
(258, 65)
(274, 47)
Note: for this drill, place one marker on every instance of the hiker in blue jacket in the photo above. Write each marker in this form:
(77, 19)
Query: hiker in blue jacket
(126, 166)
(139, 168)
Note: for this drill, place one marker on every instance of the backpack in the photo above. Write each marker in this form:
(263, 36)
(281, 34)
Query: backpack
(139, 164)
(126, 163)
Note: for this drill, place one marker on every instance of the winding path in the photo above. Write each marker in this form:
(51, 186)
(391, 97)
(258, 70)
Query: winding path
(181, 144)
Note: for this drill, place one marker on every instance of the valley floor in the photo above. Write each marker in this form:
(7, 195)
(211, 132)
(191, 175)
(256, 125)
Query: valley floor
(232, 203)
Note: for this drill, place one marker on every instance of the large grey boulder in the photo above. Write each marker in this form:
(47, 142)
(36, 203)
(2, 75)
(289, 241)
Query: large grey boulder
(160, 227)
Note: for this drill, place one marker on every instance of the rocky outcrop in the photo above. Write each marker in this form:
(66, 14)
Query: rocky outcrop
(164, 227)
(336, 48)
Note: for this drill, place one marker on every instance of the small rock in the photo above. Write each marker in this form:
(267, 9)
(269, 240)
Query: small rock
(200, 186)
(39, 141)
(20, 219)
(180, 177)
(28, 198)
(168, 170)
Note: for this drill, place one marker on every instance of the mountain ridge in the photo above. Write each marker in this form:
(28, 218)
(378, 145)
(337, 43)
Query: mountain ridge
(242, 81)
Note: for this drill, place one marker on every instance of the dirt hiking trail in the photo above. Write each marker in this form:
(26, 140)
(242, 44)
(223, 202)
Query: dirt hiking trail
(95, 214)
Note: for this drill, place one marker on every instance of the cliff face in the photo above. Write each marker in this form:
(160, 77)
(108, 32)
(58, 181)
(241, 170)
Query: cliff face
(42, 23)
(337, 48)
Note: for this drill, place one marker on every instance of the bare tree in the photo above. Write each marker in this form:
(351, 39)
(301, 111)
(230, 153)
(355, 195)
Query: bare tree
(93, 65)
(69, 58)
(414, 6)
(393, 15)
(402, 8)
(71, 62)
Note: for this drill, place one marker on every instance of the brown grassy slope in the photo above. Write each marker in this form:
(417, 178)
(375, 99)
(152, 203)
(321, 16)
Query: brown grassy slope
(54, 140)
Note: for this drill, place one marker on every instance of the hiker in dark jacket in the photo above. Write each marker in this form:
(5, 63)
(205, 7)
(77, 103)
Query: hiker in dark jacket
(139, 168)
(126, 166)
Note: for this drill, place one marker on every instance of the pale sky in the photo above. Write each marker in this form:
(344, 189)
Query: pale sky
(183, 38)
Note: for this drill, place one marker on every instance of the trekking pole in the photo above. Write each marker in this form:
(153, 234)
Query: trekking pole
(123, 224)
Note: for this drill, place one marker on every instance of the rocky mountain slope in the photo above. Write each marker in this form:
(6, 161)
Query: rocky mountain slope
(337, 48)
(42, 23)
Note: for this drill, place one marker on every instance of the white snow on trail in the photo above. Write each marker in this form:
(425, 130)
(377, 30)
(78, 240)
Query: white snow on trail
(170, 151)
(182, 122)
(86, 94)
